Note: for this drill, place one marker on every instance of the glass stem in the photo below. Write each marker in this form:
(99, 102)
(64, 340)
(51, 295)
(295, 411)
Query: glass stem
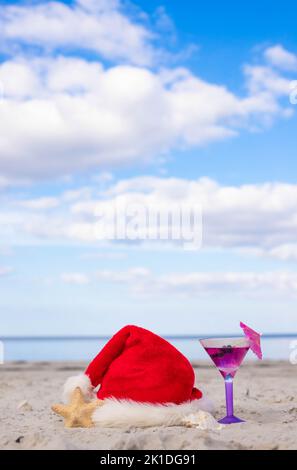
(229, 394)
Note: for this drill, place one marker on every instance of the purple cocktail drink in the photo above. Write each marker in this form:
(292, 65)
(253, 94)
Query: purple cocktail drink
(227, 355)
(228, 358)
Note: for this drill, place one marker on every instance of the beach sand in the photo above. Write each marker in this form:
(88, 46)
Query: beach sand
(265, 395)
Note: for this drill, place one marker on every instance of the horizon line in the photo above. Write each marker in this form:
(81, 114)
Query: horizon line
(107, 337)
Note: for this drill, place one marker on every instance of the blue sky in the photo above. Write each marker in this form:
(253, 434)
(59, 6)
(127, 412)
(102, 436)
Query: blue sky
(112, 100)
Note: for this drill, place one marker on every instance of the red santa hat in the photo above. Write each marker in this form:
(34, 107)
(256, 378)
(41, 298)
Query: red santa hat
(141, 367)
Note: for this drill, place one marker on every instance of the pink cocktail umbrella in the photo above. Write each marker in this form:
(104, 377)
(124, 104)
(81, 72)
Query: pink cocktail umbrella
(254, 339)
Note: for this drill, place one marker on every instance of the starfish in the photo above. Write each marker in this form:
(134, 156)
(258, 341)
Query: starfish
(78, 414)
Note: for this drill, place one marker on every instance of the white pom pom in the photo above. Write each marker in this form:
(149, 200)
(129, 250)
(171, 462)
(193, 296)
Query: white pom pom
(83, 382)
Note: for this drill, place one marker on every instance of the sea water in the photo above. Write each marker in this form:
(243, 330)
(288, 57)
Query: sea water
(84, 349)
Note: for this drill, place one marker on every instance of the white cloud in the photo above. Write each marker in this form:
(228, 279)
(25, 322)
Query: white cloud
(286, 252)
(100, 26)
(143, 281)
(281, 58)
(249, 215)
(6, 250)
(5, 270)
(263, 79)
(42, 203)
(196, 282)
(103, 177)
(283, 252)
(75, 116)
(260, 217)
(132, 275)
(75, 278)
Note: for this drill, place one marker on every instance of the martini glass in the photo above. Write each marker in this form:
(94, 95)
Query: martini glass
(227, 355)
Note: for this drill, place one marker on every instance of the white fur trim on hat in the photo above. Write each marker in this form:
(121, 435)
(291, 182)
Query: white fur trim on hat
(127, 413)
(83, 382)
